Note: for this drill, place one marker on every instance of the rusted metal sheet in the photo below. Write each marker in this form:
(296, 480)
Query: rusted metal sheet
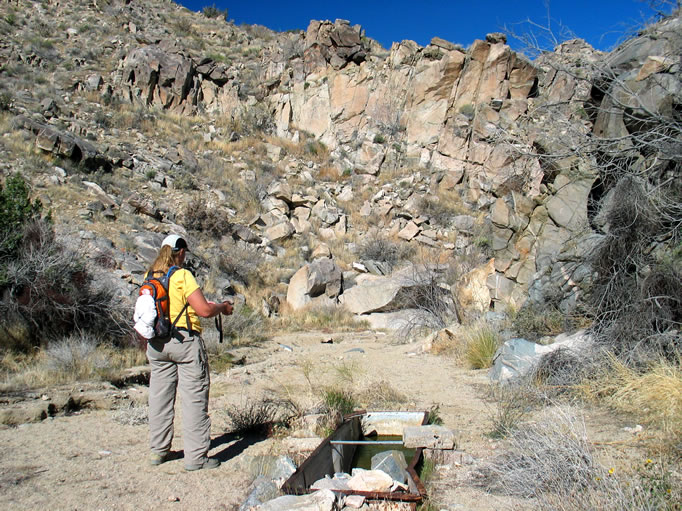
(335, 454)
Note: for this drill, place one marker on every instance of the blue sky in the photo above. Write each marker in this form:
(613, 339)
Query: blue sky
(602, 23)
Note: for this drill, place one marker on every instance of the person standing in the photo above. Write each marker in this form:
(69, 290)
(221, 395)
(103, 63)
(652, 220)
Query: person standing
(181, 364)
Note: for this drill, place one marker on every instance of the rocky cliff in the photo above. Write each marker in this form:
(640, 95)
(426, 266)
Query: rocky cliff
(465, 152)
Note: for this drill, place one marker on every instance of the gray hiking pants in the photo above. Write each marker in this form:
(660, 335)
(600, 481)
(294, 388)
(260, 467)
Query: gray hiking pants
(179, 364)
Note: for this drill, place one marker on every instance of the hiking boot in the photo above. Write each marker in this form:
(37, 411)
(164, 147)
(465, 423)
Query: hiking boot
(157, 459)
(208, 463)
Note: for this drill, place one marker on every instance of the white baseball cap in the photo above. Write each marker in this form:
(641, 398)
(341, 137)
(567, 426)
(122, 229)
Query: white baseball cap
(175, 242)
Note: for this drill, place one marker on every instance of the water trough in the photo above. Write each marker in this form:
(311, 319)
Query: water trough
(339, 451)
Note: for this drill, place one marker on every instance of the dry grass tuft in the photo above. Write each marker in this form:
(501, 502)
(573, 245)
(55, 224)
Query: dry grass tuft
(381, 395)
(654, 397)
(75, 358)
(339, 319)
(481, 344)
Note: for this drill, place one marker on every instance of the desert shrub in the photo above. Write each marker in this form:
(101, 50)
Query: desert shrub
(481, 344)
(47, 290)
(511, 404)
(381, 395)
(383, 250)
(560, 369)
(214, 12)
(534, 321)
(254, 416)
(548, 455)
(185, 181)
(16, 210)
(183, 26)
(338, 401)
(240, 262)
(636, 295)
(244, 325)
(199, 216)
(438, 211)
(252, 120)
(431, 301)
(379, 139)
(71, 354)
(652, 487)
(5, 101)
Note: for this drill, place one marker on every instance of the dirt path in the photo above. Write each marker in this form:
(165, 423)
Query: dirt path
(91, 461)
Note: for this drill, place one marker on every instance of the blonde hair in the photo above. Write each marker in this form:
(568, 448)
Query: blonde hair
(164, 260)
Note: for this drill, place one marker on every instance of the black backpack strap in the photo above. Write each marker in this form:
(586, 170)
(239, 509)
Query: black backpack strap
(171, 271)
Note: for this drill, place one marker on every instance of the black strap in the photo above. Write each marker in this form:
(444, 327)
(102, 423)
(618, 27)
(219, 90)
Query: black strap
(184, 308)
(219, 326)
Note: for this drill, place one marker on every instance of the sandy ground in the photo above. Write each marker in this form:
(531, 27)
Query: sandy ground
(89, 460)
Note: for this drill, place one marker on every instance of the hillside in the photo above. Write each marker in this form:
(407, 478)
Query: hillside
(329, 184)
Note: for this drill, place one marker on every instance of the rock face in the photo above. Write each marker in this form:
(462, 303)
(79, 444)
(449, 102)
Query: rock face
(462, 152)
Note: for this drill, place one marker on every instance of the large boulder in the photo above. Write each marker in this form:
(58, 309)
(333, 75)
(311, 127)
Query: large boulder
(322, 277)
(161, 76)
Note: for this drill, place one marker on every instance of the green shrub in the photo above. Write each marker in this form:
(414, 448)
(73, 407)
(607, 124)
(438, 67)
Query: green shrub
(379, 139)
(214, 12)
(16, 210)
(339, 401)
(5, 101)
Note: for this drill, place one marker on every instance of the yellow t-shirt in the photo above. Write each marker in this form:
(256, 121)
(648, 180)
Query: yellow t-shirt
(182, 284)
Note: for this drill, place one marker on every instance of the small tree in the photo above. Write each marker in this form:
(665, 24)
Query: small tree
(16, 210)
(214, 12)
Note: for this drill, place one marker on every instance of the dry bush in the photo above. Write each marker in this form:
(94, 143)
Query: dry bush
(253, 416)
(551, 454)
(383, 250)
(560, 370)
(244, 326)
(430, 299)
(77, 357)
(329, 173)
(201, 217)
(652, 487)
(438, 210)
(534, 321)
(512, 403)
(240, 262)
(50, 290)
(637, 298)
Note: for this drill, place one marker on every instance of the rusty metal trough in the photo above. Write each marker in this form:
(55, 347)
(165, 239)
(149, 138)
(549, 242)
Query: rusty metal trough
(336, 452)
